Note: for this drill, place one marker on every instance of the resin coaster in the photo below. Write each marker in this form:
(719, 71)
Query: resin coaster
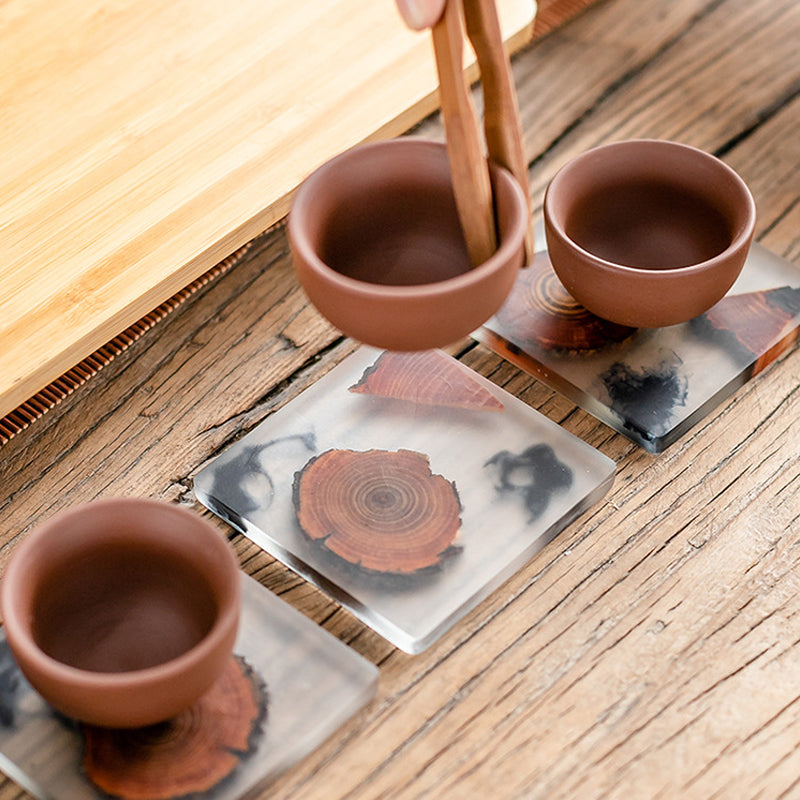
(406, 486)
(650, 385)
(289, 687)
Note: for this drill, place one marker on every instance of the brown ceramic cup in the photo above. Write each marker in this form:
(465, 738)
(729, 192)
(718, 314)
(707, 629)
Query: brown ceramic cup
(122, 612)
(648, 232)
(378, 247)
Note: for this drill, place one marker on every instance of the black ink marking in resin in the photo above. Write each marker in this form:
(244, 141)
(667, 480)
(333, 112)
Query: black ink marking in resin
(646, 398)
(536, 474)
(10, 678)
(231, 478)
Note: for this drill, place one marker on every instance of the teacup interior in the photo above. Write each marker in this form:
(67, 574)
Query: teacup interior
(120, 608)
(648, 224)
(402, 235)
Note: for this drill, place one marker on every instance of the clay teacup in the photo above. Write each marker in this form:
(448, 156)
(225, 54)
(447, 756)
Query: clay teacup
(122, 612)
(648, 233)
(379, 250)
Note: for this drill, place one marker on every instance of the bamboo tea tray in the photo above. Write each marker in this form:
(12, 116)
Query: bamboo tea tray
(144, 142)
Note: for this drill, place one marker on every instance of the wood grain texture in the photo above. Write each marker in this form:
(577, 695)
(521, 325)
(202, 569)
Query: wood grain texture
(653, 649)
(143, 142)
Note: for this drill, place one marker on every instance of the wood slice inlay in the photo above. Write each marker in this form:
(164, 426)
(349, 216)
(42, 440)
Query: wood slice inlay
(189, 754)
(383, 510)
(428, 377)
(540, 312)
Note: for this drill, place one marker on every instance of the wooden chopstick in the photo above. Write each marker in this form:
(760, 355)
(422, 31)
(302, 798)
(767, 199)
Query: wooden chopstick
(501, 121)
(468, 165)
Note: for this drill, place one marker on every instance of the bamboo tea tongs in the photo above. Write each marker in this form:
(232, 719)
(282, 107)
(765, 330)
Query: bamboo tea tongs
(468, 164)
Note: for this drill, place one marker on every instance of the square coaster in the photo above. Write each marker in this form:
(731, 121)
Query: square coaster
(303, 685)
(652, 385)
(406, 486)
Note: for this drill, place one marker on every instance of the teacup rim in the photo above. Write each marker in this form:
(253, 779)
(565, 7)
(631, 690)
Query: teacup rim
(365, 289)
(20, 631)
(740, 238)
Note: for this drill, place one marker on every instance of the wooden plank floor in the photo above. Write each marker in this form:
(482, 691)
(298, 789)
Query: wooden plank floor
(653, 649)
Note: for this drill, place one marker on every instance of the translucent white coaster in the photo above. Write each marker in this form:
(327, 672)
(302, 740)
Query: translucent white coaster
(650, 385)
(406, 486)
(306, 684)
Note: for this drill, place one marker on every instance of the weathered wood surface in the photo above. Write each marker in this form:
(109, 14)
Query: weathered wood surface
(653, 649)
